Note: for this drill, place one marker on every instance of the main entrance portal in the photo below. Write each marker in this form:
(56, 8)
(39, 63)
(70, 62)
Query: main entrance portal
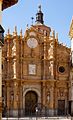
(31, 99)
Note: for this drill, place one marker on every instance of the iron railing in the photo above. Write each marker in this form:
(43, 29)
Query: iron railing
(40, 113)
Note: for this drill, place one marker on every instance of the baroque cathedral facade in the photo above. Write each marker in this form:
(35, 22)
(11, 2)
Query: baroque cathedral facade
(37, 72)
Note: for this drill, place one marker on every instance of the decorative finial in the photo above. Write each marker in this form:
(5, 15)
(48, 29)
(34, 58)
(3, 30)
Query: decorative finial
(53, 33)
(27, 27)
(56, 36)
(15, 28)
(32, 18)
(8, 31)
(71, 29)
(8, 34)
(72, 17)
(21, 32)
(15, 31)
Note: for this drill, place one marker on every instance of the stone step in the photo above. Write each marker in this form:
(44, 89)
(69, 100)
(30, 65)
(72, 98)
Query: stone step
(39, 118)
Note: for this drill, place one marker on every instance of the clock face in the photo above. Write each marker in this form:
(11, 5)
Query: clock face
(32, 42)
(32, 69)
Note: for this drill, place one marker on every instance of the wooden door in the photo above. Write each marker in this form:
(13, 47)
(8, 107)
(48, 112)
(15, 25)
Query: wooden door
(30, 102)
(61, 107)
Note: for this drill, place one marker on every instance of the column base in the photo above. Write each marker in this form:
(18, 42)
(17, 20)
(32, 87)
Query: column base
(71, 108)
(0, 108)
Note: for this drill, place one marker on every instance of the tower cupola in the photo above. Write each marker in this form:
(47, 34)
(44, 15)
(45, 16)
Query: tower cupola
(39, 16)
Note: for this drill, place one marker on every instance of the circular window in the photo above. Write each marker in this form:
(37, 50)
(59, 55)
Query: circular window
(61, 69)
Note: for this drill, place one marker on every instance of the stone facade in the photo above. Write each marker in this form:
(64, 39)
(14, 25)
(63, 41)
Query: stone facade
(36, 72)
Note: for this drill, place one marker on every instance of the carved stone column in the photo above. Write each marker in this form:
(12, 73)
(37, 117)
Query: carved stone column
(14, 68)
(45, 59)
(52, 101)
(15, 112)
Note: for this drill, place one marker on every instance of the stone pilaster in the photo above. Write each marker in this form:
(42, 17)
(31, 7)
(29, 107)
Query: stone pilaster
(71, 95)
(44, 94)
(0, 82)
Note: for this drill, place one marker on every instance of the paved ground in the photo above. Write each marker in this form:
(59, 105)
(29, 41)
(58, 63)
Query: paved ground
(71, 118)
(40, 118)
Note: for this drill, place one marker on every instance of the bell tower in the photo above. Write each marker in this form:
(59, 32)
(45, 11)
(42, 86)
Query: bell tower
(39, 16)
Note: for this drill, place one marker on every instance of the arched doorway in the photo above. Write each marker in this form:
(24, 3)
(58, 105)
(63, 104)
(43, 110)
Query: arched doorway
(31, 100)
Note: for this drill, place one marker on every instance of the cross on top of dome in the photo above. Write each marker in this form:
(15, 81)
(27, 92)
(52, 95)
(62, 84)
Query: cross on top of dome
(39, 8)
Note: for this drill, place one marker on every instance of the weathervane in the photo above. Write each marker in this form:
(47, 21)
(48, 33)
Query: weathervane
(39, 7)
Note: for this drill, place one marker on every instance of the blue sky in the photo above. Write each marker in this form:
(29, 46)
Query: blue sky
(57, 15)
